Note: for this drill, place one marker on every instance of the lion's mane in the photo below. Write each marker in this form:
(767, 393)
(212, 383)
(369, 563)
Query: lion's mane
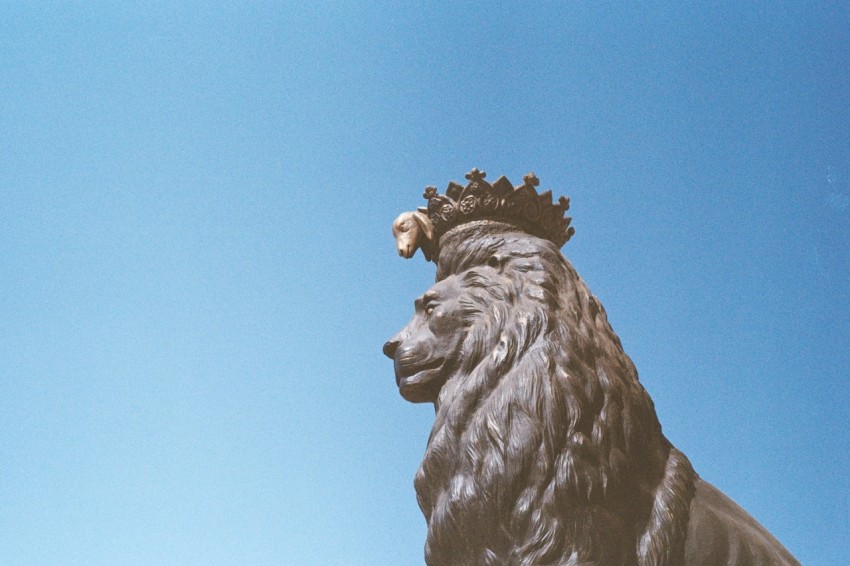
(545, 448)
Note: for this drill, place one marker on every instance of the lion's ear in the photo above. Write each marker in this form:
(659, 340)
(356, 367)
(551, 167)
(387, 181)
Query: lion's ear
(497, 262)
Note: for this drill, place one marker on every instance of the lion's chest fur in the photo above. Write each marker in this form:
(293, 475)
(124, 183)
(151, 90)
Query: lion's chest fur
(496, 486)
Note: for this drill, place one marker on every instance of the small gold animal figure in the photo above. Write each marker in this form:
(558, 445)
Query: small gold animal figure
(412, 231)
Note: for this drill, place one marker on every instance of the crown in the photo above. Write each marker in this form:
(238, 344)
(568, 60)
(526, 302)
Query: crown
(521, 206)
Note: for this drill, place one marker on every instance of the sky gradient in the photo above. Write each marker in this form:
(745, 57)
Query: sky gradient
(197, 272)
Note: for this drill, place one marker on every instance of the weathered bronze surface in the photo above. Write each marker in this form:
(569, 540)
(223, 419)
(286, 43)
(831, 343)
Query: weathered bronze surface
(545, 448)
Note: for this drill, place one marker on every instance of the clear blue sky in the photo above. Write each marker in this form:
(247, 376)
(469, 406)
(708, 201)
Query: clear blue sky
(197, 272)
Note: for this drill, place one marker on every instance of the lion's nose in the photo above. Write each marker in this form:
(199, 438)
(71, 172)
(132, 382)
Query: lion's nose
(390, 348)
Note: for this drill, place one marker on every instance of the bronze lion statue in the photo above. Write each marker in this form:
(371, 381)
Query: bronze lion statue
(545, 448)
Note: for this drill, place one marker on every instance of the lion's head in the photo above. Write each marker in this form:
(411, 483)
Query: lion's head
(541, 425)
(427, 351)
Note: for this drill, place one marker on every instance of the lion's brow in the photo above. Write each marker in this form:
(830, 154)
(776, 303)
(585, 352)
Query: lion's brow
(428, 296)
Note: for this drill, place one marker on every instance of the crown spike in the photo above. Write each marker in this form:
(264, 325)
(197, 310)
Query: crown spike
(453, 191)
(502, 187)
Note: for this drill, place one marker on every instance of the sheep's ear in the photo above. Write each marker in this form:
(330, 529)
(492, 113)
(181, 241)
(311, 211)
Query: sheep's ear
(425, 223)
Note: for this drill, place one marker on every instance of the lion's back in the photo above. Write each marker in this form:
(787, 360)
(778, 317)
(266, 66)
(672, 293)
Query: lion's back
(720, 533)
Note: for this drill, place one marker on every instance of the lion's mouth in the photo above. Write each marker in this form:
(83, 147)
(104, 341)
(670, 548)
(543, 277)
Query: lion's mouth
(418, 383)
(408, 370)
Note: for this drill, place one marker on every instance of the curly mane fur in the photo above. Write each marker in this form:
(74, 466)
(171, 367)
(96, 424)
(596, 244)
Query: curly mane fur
(545, 448)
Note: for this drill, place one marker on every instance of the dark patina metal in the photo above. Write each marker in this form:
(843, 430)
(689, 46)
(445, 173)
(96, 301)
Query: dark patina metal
(545, 449)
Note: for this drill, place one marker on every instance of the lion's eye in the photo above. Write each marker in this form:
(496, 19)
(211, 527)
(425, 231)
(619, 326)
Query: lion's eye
(430, 308)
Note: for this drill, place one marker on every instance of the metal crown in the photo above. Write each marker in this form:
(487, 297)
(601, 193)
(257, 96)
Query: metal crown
(521, 206)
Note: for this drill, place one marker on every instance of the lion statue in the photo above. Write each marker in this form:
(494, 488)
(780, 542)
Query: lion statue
(545, 448)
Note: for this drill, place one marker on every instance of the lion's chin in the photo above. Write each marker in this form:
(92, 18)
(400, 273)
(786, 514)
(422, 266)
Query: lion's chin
(423, 386)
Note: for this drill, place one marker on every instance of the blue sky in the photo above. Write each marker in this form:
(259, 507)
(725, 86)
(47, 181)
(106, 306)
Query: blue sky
(197, 272)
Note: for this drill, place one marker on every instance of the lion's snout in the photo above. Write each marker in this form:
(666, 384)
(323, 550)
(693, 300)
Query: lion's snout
(414, 367)
(408, 358)
(391, 346)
